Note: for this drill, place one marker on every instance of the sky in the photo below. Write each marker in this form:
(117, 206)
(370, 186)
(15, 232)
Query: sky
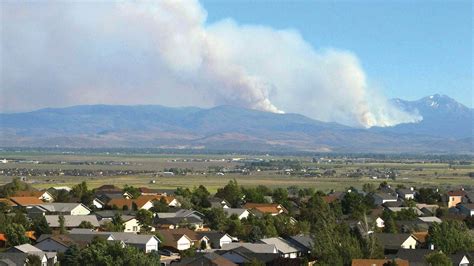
(329, 60)
(409, 49)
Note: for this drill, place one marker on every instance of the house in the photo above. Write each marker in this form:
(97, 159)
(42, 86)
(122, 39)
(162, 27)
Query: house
(130, 204)
(381, 198)
(241, 213)
(416, 257)
(65, 208)
(406, 193)
(304, 243)
(455, 196)
(47, 258)
(172, 220)
(219, 203)
(285, 248)
(147, 243)
(109, 189)
(466, 209)
(131, 224)
(393, 242)
(98, 204)
(460, 259)
(61, 243)
(206, 259)
(244, 256)
(398, 209)
(149, 191)
(176, 240)
(14, 259)
(265, 208)
(26, 201)
(254, 247)
(42, 195)
(216, 239)
(378, 262)
(71, 221)
(430, 219)
(421, 237)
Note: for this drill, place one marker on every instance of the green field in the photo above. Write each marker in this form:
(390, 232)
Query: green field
(410, 173)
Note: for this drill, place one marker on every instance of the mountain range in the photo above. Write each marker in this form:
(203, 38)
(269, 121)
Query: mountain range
(447, 127)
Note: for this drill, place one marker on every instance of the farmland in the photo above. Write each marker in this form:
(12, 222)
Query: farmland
(46, 169)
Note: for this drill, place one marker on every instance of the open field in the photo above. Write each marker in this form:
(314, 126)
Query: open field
(45, 170)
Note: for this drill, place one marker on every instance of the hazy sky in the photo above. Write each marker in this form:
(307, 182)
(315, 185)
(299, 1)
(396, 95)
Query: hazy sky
(331, 61)
(410, 49)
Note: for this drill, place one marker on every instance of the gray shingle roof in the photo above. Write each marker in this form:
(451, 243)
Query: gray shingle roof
(281, 244)
(72, 220)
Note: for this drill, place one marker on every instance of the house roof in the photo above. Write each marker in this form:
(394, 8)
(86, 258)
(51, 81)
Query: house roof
(26, 248)
(430, 219)
(178, 220)
(265, 207)
(397, 209)
(281, 244)
(413, 256)
(330, 198)
(405, 191)
(111, 213)
(13, 259)
(377, 262)
(207, 259)
(420, 236)
(253, 247)
(29, 193)
(8, 202)
(170, 237)
(389, 240)
(109, 188)
(132, 238)
(237, 211)
(71, 220)
(469, 206)
(26, 201)
(120, 203)
(457, 193)
(304, 241)
(385, 196)
(62, 207)
(70, 239)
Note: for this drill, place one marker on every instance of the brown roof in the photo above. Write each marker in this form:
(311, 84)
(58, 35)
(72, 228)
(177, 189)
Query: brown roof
(330, 198)
(420, 236)
(457, 193)
(8, 202)
(120, 203)
(29, 193)
(108, 188)
(26, 201)
(171, 236)
(265, 207)
(168, 199)
(377, 262)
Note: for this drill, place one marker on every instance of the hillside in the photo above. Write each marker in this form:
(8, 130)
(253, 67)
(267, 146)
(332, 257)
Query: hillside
(222, 127)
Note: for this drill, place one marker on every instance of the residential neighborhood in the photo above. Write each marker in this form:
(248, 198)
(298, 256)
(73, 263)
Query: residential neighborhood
(237, 225)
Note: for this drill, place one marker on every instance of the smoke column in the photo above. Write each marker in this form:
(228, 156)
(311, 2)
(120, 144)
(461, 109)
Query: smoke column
(163, 52)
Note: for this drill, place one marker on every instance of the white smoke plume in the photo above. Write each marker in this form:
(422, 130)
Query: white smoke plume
(163, 52)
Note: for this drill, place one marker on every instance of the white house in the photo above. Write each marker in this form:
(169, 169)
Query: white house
(379, 222)
(405, 193)
(183, 243)
(98, 203)
(66, 208)
(284, 247)
(241, 213)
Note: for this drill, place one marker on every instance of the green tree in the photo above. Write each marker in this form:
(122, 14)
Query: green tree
(427, 195)
(41, 226)
(133, 191)
(86, 224)
(231, 192)
(389, 222)
(33, 260)
(145, 219)
(62, 226)
(71, 256)
(438, 259)
(160, 206)
(15, 234)
(216, 219)
(450, 237)
(200, 197)
(117, 224)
